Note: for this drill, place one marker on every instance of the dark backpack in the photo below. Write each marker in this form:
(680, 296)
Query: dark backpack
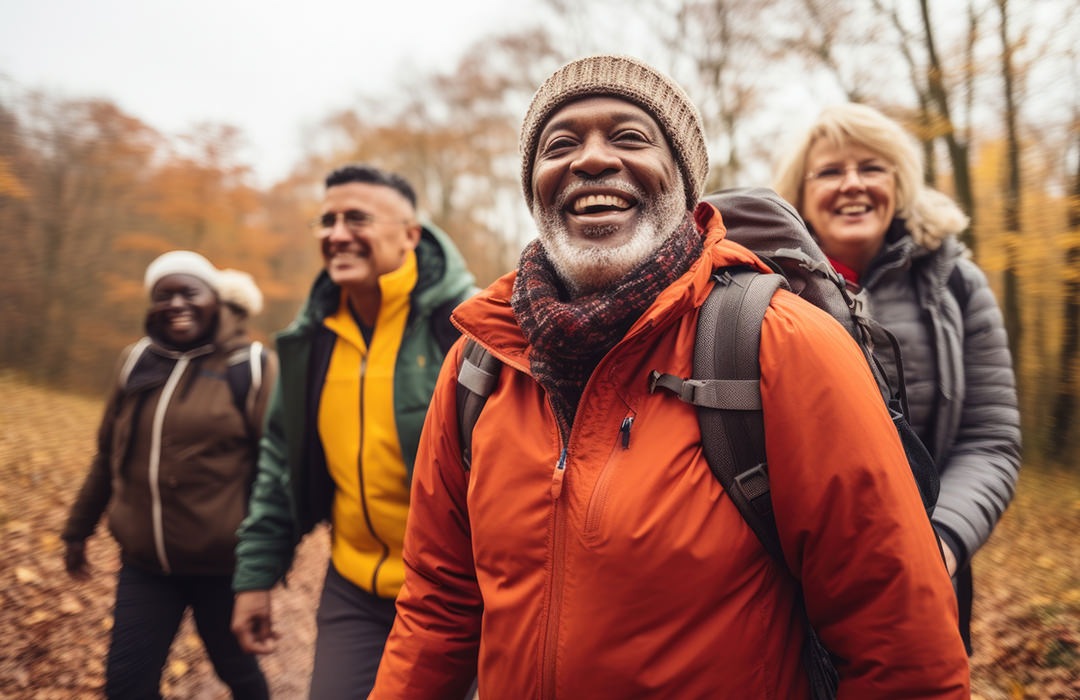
(726, 382)
(243, 371)
(726, 388)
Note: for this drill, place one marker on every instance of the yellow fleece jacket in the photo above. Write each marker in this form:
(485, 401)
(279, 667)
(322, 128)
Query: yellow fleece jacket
(360, 440)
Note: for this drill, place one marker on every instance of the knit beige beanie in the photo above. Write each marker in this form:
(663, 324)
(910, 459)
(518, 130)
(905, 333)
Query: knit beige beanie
(632, 80)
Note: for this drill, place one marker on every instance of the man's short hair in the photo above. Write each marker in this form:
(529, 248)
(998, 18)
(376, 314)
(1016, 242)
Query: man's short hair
(362, 172)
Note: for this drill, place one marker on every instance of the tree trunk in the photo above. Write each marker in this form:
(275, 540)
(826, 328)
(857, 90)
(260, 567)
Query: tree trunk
(958, 150)
(1011, 193)
(1063, 418)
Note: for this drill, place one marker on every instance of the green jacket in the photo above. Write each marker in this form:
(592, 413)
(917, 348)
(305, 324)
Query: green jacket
(293, 490)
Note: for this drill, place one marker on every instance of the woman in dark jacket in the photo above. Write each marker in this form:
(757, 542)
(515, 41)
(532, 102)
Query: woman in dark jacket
(856, 177)
(173, 470)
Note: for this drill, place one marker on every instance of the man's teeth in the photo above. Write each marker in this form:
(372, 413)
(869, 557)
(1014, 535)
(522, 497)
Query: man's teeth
(600, 201)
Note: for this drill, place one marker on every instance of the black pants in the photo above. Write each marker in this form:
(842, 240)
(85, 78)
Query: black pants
(149, 608)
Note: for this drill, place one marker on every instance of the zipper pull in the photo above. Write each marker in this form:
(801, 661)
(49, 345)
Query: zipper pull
(627, 423)
(560, 473)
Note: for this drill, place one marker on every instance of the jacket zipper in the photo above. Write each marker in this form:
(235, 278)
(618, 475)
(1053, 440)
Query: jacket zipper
(551, 632)
(558, 554)
(384, 555)
(599, 496)
(156, 515)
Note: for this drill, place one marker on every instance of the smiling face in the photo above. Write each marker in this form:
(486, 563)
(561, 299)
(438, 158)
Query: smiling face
(183, 310)
(849, 213)
(374, 229)
(606, 190)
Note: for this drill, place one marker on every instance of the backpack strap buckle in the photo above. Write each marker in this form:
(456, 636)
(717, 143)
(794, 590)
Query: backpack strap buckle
(691, 391)
(754, 485)
(721, 394)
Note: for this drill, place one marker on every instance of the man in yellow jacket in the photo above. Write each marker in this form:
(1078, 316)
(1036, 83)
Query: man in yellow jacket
(588, 551)
(358, 366)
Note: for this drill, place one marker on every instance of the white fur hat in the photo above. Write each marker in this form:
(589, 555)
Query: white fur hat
(182, 262)
(239, 289)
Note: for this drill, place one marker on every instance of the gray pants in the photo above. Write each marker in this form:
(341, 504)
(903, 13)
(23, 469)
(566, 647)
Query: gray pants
(352, 629)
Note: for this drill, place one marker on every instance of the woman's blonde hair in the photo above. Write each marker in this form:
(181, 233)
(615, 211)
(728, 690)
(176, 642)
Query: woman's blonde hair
(929, 214)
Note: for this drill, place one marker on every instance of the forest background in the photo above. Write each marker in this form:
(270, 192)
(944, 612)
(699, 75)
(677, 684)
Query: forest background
(90, 194)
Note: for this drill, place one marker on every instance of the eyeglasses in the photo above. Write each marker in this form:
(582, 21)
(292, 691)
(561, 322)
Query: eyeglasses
(868, 173)
(356, 221)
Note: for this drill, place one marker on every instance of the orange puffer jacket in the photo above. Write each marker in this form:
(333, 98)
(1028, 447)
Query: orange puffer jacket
(618, 568)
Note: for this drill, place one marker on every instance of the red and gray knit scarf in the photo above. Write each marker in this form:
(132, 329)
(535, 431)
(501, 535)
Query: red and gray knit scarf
(569, 336)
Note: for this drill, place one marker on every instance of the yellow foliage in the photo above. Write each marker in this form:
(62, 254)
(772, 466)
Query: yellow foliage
(10, 185)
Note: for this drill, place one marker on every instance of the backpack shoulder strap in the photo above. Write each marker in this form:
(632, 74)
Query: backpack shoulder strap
(726, 390)
(958, 288)
(244, 373)
(727, 345)
(444, 331)
(477, 376)
(733, 431)
(132, 359)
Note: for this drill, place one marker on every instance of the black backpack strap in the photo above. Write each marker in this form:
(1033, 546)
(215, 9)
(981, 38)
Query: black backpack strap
(727, 344)
(958, 288)
(477, 376)
(733, 432)
(132, 360)
(244, 373)
(444, 331)
(726, 390)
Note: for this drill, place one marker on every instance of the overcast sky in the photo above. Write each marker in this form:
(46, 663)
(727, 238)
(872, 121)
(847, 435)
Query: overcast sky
(269, 67)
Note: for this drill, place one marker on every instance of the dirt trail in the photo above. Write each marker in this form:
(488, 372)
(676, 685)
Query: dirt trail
(56, 630)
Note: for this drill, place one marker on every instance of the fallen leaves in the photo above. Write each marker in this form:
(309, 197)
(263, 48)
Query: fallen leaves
(25, 575)
(1026, 621)
(56, 631)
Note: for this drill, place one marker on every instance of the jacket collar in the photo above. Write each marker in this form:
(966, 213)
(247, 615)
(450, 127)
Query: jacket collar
(441, 275)
(488, 318)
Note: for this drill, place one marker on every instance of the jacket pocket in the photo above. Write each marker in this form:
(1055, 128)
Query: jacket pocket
(598, 499)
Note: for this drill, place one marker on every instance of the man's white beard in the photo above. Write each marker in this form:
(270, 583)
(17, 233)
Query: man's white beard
(586, 268)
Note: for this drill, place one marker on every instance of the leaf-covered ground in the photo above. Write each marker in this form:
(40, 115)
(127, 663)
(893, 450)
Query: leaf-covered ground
(55, 631)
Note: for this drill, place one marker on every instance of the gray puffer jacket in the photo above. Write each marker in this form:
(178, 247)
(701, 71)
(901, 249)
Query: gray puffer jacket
(959, 379)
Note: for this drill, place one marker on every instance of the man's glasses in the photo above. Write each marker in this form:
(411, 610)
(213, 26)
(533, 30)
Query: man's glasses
(356, 221)
(868, 173)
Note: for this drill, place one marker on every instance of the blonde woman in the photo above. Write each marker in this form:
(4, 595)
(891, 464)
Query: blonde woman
(856, 177)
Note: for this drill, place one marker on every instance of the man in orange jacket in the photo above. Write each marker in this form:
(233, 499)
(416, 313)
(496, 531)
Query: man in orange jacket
(588, 551)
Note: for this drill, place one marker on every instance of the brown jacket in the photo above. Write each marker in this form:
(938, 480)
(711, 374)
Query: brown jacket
(175, 458)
